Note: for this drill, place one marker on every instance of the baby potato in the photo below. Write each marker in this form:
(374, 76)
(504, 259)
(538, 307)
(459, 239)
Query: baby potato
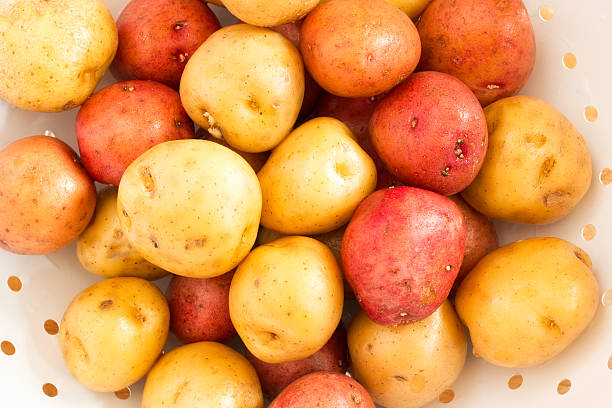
(112, 333)
(286, 299)
(204, 374)
(314, 179)
(537, 167)
(103, 249)
(407, 366)
(525, 302)
(244, 84)
(191, 207)
(268, 13)
(53, 53)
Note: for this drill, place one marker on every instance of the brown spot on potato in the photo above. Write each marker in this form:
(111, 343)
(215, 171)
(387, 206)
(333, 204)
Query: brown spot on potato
(546, 169)
(105, 304)
(551, 325)
(179, 25)
(356, 399)
(399, 378)
(69, 105)
(147, 179)
(537, 140)
(446, 396)
(556, 198)
(256, 283)
(195, 243)
(154, 242)
(273, 336)
(179, 390)
(583, 257)
(427, 295)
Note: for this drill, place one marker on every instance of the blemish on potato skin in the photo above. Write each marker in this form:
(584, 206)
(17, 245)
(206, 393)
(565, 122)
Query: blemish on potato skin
(154, 241)
(105, 304)
(399, 378)
(556, 198)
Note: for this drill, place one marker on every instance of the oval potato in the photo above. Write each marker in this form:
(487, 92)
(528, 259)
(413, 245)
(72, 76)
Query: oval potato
(269, 13)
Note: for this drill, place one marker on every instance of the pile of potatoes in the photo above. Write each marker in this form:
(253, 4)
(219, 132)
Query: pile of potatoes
(319, 153)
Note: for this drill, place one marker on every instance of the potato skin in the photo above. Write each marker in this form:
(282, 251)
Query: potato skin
(199, 308)
(256, 160)
(269, 13)
(332, 357)
(204, 374)
(113, 332)
(525, 302)
(286, 299)
(340, 42)
(46, 197)
(431, 133)
(122, 121)
(104, 250)
(314, 179)
(394, 225)
(157, 38)
(537, 168)
(413, 8)
(324, 390)
(49, 73)
(191, 207)
(408, 366)
(230, 86)
(488, 44)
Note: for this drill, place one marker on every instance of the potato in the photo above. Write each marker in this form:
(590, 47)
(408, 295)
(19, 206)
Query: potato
(199, 308)
(191, 207)
(53, 53)
(256, 160)
(269, 13)
(157, 38)
(122, 121)
(314, 179)
(408, 366)
(413, 8)
(112, 333)
(104, 250)
(333, 356)
(431, 133)
(401, 253)
(537, 168)
(46, 197)
(323, 390)
(231, 87)
(216, 2)
(358, 48)
(286, 299)
(488, 44)
(204, 374)
(525, 302)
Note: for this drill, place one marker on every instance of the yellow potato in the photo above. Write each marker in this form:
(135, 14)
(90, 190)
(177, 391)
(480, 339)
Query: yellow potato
(204, 374)
(537, 166)
(53, 52)
(191, 207)
(413, 8)
(314, 179)
(102, 249)
(286, 299)
(526, 302)
(408, 366)
(112, 332)
(245, 84)
(270, 13)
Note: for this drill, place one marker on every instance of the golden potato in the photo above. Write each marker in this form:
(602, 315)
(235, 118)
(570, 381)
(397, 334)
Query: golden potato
(113, 331)
(408, 366)
(270, 13)
(537, 167)
(286, 299)
(245, 84)
(191, 207)
(413, 8)
(204, 374)
(526, 302)
(53, 53)
(314, 179)
(102, 248)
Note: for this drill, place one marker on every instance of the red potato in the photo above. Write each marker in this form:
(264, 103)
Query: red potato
(323, 390)
(332, 357)
(46, 197)
(120, 122)
(487, 44)
(199, 308)
(157, 38)
(359, 48)
(401, 253)
(431, 133)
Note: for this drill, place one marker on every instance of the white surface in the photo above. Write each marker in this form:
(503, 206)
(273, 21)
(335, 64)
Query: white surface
(581, 27)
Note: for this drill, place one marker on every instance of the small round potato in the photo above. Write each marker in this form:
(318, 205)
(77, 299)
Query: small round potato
(314, 179)
(112, 333)
(525, 302)
(191, 207)
(413, 8)
(103, 249)
(408, 366)
(286, 299)
(53, 53)
(245, 84)
(269, 13)
(537, 167)
(204, 374)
